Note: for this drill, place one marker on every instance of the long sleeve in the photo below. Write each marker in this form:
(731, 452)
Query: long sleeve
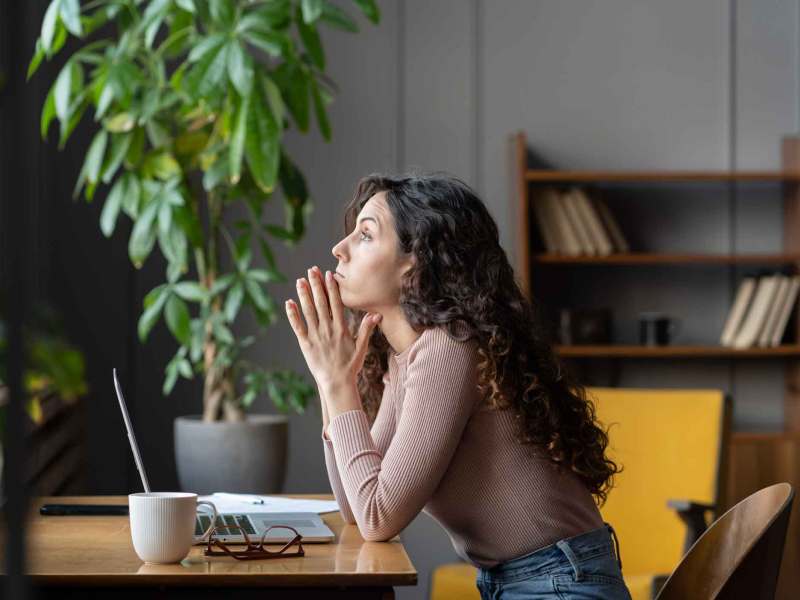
(386, 490)
(382, 432)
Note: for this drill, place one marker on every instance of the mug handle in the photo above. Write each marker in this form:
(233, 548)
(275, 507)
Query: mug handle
(213, 520)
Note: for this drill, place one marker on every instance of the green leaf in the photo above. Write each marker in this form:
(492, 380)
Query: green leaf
(185, 369)
(206, 45)
(187, 5)
(177, 316)
(237, 139)
(256, 294)
(274, 15)
(38, 55)
(221, 284)
(262, 142)
(240, 69)
(221, 332)
(293, 83)
(150, 315)
(233, 301)
(143, 236)
(222, 11)
(275, 101)
(370, 10)
(190, 290)
(49, 25)
(338, 18)
(208, 73)
(274, 43)
(104, 101)
(91, 164)
(266, 252)
(297, 203)
(308, 33)
(131, 195)
(265, 276)
(70, 12)
(94, 158)
(63, 88)
(120, 123)
(111, 208)
(48, 111)
(161, 165)
(312, 9)
(119, 148)
(217, 173)
(171, 378)
(319, 111)
(76, 111)
(157, 134)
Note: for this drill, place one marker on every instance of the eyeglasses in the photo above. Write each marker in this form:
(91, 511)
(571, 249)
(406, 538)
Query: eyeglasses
(252, 551)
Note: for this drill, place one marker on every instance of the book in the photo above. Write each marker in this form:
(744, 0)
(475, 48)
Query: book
(774, 311)
(737, 311)
(548, 200)
(572, 246)
(757, 312)
(611, 225)
(786, 310)
(601, 239)
(544, 223)
(578, 223)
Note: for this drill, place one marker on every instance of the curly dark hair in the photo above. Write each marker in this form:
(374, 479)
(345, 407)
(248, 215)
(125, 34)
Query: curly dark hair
(462, 280)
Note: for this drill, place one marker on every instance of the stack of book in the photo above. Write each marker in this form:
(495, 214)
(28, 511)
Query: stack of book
(760, 311)
(573, 224)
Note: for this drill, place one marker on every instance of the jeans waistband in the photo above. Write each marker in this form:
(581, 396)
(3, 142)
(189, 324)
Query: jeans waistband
(574, 549)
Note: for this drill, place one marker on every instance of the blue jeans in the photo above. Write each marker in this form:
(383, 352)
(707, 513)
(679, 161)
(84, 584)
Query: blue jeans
(581, 567)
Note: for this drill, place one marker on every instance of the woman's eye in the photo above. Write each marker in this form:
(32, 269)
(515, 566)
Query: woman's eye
(365, 235)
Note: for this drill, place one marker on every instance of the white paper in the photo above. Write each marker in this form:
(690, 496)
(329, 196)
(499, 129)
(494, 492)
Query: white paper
(253, 503)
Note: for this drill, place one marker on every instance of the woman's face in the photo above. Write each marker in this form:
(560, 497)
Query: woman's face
(370, 268)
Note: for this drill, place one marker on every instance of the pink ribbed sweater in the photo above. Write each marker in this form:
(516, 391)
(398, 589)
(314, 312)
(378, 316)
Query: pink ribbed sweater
(434, 447)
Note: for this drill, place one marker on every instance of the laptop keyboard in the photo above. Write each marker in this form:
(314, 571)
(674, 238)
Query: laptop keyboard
(203, 521)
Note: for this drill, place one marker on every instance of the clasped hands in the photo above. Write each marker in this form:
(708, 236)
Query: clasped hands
(333, 356)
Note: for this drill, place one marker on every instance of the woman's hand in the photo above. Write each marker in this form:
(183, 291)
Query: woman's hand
(333, 356)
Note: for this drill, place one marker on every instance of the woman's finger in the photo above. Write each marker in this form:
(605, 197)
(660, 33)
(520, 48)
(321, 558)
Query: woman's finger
(320, 298)
(293, 313)
(335, 299)
(309, 310)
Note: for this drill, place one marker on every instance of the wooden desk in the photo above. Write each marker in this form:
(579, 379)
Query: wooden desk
(94, 557)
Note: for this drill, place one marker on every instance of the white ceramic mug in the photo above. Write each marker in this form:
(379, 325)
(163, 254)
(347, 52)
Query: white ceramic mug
(162, 524)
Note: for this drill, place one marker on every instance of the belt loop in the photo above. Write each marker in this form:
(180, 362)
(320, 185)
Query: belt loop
(616, 543)
(573, 560)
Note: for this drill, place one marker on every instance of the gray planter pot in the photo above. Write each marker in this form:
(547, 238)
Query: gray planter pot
(245, 457)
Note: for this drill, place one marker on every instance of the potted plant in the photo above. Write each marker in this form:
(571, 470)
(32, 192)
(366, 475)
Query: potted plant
(190, 100)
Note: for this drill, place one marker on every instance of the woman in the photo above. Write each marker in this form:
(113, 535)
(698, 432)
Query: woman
(440, 393)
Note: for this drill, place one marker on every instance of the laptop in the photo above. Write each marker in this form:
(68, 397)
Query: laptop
(308, 524)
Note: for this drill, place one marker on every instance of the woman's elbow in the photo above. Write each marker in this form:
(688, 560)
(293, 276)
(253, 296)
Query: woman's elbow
(372, 534)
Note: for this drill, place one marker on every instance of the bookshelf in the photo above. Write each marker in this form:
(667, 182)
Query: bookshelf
(755, 458)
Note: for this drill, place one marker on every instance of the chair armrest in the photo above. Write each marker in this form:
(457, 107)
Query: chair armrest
(693, 514)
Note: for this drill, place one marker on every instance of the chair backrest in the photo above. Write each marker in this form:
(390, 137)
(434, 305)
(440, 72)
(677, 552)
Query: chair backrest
(739, 555)
(670, 444)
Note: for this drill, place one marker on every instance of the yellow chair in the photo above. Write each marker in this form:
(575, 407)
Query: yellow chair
(671, 445)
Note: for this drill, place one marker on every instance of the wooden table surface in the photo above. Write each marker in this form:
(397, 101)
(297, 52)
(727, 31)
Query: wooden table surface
(97, 551)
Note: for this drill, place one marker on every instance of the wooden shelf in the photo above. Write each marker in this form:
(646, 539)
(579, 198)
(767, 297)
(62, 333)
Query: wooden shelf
(633, 351)
(659, 176)
(644, 258)
(745, 437)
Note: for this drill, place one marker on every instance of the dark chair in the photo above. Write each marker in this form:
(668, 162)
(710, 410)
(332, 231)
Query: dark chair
(739, 555)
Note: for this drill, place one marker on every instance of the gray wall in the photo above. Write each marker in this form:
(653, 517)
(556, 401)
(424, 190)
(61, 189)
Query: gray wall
(616, 84)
